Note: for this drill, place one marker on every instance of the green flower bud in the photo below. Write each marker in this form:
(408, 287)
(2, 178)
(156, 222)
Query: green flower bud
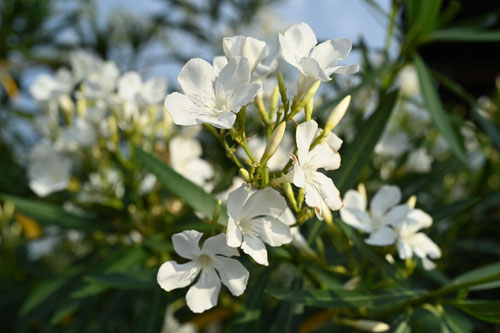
(337, 114)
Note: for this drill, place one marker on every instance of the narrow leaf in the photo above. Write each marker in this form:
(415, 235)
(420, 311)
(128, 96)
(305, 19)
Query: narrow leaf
(192, 194)
(439, 116)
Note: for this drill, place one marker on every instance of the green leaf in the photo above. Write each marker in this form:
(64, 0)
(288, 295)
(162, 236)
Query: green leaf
(457, 321)
(192, 194)
(358, 153)
(439, 116)
(51, 214)
(249, 315)
(479, 276)
(289, 314)
(143, 280)
(341, 298)
(464, 34)
(481, 309)
(453, 209)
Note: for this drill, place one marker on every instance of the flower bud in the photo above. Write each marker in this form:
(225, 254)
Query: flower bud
(337, 114)
(273, 102)
(309, 109)
(412, 201)
(307, 97)
(244, 174)
(274, 142)
(365, 325)
(282, 86)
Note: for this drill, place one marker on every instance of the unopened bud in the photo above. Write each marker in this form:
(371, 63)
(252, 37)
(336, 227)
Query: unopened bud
(244, 174)
(282, 87)
(365, 325)
(337, 114)
(113, 130)
(412, 201)
(352, 283)
(307, 97)
(274, 142)
(362, 190)
(309, 109)
(273, 102)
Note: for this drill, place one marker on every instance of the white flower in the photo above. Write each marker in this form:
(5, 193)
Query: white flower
(318, 187)
(48, 170)
(47, 87)
(408, 79)
(80, 134)
(185, 158)
(254, 219)
(314, 62)
(410, 241)
(254, 50)
(131, 88)
(210, 99)
(384, 213)
(172, 325)
(392, 144)
(419, 161)
(205, 263)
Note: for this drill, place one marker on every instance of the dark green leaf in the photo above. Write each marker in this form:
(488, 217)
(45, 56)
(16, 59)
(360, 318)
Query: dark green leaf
(438, 114)
(143, 280)
(192, 194)
(464, 35)
(480, 276)
(484, 310)
(52, 214)
(453, 209)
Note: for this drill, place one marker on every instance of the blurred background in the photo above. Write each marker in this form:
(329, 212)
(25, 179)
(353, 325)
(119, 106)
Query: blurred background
(155, 38)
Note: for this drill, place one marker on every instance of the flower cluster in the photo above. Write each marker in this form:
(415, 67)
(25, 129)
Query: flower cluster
(389, 222)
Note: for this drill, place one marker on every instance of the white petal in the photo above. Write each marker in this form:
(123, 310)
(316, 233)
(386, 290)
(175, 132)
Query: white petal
(297, 174)
(322, 156)
(218, 63)
(186, 243)
(129, 85)
(404, 249)
(348, 70)
(266, 202)
(311, 69)
(273, 231)
(354, 199)
(233, 274)
(287, 217)
(179, 106)
(313, 199)
(428, 264)
(418, 219)
(386, 197)
(255, 248)
(333, 141)
(297, 43)
(235, 74)
(233, 232)
(329, 53)
(197, 78)
(304, 137)
(241, 46)
(154, 90)
(397, 215)
(217, 245)
(356, 218)
(203, 295)
(423, 246)
(172, 275)
(243, 95)
(383, 236)
(327, 190)
(224, 121)
(235, 201)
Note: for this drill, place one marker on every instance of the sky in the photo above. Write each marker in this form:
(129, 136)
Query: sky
(328, 18)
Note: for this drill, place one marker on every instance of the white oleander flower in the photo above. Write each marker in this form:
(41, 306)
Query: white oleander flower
(419, 161)
(384, 213)
(47, 87)
(185, 158)
(410, 241)
(48, 170)
(80, 134)
(254, 50)
(254, 219)
(392, 144)
(408, 80)
(131, 88)
(318, 187)
(206, 262)
(314, 62)
(208, 98)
